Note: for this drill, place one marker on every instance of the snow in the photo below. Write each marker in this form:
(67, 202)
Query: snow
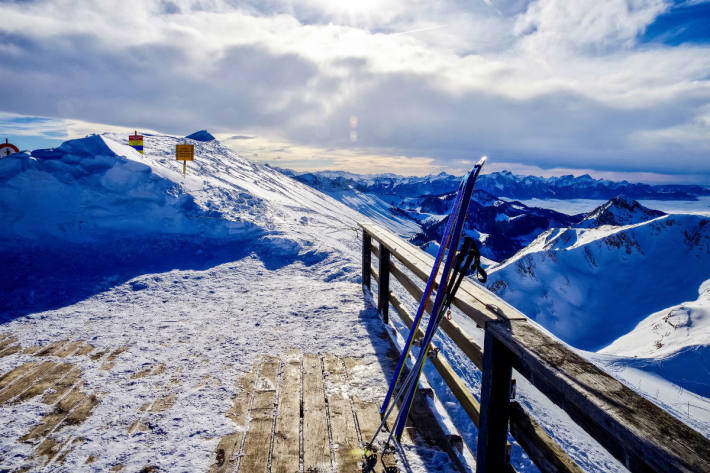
(673, 342)
(205, 272)
(202, 273)
(700, 206)
(590, 286)
(618, 211)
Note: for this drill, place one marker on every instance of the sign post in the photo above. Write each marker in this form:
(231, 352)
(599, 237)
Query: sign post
(184, 153)
(6, 149)
(136, 142)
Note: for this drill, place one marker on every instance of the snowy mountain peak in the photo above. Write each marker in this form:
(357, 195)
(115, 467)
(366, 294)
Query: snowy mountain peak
(202, 135)
(619, 211)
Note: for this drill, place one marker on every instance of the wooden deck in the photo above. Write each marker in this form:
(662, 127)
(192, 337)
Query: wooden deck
(298, 415)
(291, 414)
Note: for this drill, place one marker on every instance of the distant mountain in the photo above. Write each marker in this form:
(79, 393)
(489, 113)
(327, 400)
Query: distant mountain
(202, 135)
(501, 228)
(380, 184)
(618, 211)
(501, 184)
(589, 286)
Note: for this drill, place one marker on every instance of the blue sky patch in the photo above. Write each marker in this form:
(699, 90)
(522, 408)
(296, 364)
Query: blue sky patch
(686, 22)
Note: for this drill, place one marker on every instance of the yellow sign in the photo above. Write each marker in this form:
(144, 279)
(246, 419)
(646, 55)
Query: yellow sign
(185, 152)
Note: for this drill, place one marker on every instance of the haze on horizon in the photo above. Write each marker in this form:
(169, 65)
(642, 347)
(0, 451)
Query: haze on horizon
(615, 88)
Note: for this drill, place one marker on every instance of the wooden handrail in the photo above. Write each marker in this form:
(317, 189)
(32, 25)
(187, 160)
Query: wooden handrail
(638, 433)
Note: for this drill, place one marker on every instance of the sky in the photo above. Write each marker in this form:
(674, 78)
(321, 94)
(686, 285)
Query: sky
(613, 88)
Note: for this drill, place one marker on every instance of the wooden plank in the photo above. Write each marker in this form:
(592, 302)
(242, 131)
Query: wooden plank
(256, 450)
(24, 382)
(638, 433)
(31, 350)
(368, 420)
(316, 443)
(163, 403)
(81, 412)
(240, 404)
(51, 348)
(11, 350)
(492, 448)
(68, 348)
(226, 453)
(540, 447)
(346, 445)
(51, 420)
(450, 327)
(472, 299)
(53, 375)
(383, 288)
(85, 349)
(16, 373)
(286, 456)
(62, 386)
(48, 449)
(111, 358)
(366, 259)
(7, 341)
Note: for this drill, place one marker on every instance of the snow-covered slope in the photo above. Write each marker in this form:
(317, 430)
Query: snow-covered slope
(673, 342)
(99, 198)
(590, 286)
(97, 187)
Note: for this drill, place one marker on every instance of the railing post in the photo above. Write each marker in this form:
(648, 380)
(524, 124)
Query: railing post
(492, 454)
(383, 299)
(366, 259)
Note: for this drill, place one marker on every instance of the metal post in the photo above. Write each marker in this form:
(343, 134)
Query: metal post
(366, 259)
(495, 406)
(383, 299)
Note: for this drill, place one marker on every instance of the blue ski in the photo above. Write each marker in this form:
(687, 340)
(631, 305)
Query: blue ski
(425, 298)
(436, 312)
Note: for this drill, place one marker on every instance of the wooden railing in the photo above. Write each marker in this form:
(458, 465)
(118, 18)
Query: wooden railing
(639, 434)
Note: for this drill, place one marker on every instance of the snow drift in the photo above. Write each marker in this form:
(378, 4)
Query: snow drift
(94, 208)
(96, 187)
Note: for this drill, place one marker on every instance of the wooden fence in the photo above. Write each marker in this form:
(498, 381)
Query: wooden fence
(642, 436)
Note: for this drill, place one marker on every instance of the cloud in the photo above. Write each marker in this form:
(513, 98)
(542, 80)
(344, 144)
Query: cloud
(548, 83)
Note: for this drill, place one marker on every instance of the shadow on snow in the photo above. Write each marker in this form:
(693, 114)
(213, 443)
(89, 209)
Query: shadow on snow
(43, 277)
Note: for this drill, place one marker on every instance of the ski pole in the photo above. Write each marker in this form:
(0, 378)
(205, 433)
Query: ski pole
(425, 298)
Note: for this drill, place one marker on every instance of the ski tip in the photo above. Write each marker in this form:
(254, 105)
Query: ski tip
(482, 161)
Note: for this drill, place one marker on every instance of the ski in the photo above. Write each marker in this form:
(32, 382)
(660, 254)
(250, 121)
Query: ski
(441, 300)
(450, 241)
(425, 298)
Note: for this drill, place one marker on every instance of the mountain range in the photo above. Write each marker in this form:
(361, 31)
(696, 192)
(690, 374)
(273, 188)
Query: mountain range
(500, 184)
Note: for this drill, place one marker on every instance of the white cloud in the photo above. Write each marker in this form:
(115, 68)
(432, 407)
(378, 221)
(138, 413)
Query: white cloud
(563, 83)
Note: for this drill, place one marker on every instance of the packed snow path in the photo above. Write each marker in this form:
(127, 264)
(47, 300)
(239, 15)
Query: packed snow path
(149, 372)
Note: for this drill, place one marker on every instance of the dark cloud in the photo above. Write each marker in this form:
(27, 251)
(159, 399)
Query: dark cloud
(153, 86)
